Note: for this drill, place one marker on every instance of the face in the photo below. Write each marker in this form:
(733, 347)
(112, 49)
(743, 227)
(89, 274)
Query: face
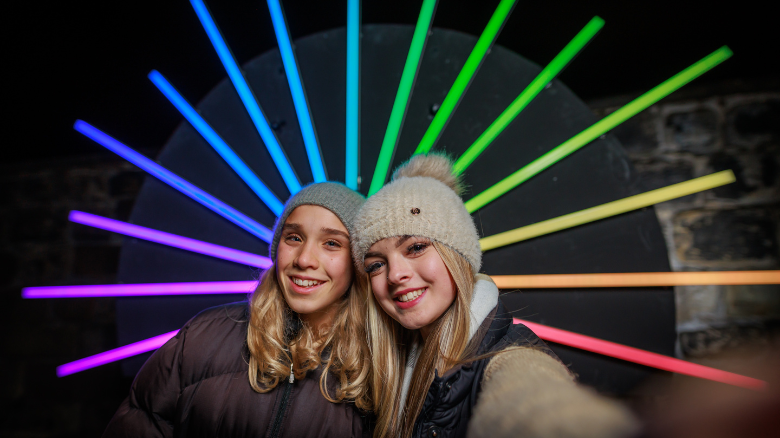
(410, 281)
(314, 263)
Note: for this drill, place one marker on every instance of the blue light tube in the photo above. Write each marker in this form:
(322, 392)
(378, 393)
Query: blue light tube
(353, 93)
(174, 181)
(298, 95)
(219, 145)
(252, 107)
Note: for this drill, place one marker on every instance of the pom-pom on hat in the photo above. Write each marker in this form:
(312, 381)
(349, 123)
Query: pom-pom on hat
(423, 199)
(336, 197)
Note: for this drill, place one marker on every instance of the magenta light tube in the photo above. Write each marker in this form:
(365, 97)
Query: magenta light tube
(115, 354)
(140, 290)
(174, 240)
(641, 357)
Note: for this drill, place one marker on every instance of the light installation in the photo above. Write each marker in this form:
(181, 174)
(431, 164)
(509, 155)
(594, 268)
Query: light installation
(298, 95)
(140, 290)
(395, 123)
(636, 279)
(245, 93)
(169, 239)
(597, 129)
(174, 181)
(463, 79)
(219, 145)
(527, 95)
(353, 94)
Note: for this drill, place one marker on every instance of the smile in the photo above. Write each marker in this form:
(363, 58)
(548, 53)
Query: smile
(305, 283)
(409, 296)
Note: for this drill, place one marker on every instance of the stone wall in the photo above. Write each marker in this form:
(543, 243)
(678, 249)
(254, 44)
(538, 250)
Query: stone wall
(734, 227)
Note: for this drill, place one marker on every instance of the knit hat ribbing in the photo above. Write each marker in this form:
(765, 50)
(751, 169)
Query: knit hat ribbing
(336, 197)
(421, 201)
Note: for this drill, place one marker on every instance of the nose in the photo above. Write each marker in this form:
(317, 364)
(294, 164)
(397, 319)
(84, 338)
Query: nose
(398, 271)
(307, 257)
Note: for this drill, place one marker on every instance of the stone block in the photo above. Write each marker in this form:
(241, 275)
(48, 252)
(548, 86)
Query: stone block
(655, 174)
(746, 302)
(43, 264)
(9, 264)
(754, 123)
(639, 134)
(37, 225)
(727, 239)
(126, 183)
(96, 261)
(700, 306)
(696, 132)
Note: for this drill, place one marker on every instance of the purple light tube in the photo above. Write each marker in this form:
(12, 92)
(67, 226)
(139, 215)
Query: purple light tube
(115, 354)
(164, 238)
(140, 290)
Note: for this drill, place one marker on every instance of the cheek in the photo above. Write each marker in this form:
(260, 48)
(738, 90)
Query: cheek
(339, 268)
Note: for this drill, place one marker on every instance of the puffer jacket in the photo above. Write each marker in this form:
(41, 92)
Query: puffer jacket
(197, 385)
(516, 392)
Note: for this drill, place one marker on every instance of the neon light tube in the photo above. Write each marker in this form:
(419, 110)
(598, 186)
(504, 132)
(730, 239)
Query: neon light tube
(353, 93)
(245, 93)
(140, 290)
(174, 181)
(641, 357)
(528, 94)
(606, 210)
(298, 95)
(635, 279)
(398, 112)
(597, 129)
(115, 354)
(466, 74)
(219, 145)
(168, 239)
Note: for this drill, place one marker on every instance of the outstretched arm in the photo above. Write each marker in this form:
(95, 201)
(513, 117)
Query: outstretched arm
(528, 393)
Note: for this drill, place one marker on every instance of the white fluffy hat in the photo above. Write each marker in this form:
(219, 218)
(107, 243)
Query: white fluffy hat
(421, 200)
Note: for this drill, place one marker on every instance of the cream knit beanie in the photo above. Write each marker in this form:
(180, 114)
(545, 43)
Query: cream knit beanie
(421, 200)
(336, 197)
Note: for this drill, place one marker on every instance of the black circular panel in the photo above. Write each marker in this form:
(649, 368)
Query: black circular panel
(598, 173)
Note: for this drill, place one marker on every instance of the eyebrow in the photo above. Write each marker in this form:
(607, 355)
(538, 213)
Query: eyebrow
(291, 227)
(401, 240)
(334, 231)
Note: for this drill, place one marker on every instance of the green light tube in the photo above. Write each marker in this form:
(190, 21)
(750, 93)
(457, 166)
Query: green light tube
(607, 210)
(398, 112)
(597, 129)
(466, 74)
(531, 91)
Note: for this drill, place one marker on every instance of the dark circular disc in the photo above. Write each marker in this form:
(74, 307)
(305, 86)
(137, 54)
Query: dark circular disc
(598, 173)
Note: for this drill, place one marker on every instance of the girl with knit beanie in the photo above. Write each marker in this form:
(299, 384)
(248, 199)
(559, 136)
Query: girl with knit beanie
(293, 361)
(446, 358)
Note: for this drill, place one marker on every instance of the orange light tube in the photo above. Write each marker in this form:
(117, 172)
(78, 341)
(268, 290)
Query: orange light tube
(641, 357)
(635, 279)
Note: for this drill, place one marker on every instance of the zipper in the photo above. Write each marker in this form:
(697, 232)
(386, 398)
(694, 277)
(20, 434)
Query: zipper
(277, 426)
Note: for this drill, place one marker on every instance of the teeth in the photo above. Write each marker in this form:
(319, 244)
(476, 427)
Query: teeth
(411, 295)
(305, 283)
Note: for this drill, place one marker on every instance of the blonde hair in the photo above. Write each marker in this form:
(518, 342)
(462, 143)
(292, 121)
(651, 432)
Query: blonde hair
(446, 346)
(273, 346)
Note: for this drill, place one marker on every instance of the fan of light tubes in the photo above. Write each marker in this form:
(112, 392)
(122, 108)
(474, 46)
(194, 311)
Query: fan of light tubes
(421, 32)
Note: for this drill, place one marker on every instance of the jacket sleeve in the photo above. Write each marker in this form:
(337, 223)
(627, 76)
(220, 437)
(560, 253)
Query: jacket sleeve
(528, 393)
(150, 408)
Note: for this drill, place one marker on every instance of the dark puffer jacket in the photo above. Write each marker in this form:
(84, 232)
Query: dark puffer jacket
(451, 398)
(197, 385)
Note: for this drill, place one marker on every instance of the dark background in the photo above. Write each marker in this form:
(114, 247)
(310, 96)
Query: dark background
(89, 60)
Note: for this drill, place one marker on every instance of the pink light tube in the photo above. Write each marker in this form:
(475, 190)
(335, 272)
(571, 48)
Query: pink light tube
(174, 240)
(115, 354)
(140, 290)
(641, 357)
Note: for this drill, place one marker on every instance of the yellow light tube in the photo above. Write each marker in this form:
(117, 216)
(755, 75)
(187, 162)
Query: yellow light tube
(636, 279)
(606, 210)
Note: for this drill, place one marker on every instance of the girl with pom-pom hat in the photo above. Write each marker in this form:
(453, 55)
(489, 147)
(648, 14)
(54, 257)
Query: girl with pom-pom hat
(446, 358)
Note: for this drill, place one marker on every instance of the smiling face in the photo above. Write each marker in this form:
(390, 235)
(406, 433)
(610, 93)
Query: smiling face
(410, 281)
(314, 263)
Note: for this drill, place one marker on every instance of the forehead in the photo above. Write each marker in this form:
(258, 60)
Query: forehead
(314, 217)
(395, 243)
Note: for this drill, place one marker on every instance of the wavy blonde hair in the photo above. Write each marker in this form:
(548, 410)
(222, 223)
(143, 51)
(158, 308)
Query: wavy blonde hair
(273, 346)
(446, 346)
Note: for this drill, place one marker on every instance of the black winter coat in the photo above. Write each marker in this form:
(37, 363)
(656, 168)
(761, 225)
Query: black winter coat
(451, 398)
(197, 385)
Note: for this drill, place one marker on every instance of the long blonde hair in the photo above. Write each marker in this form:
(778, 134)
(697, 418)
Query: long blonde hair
(273, 345)
(446, 346)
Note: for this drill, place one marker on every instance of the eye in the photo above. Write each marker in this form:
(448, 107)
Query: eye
(417, 247)
(293, 238)
(374, 267)
(333, 244)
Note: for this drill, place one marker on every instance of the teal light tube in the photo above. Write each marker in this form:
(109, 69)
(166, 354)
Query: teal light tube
(353, 94)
